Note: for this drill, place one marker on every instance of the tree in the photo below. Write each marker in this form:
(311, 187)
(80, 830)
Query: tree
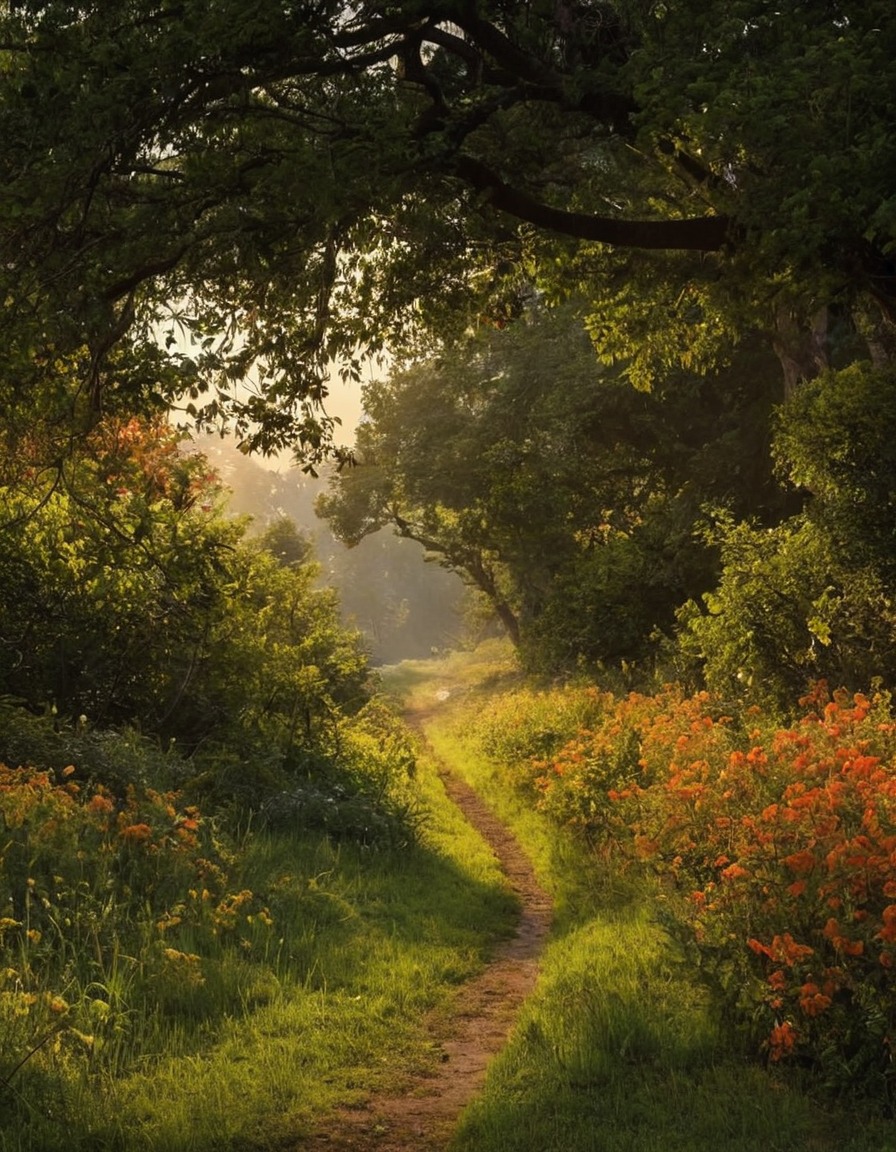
(569, 499)
(285, 185)
(811, 598)
(132, 598)
(286, 542)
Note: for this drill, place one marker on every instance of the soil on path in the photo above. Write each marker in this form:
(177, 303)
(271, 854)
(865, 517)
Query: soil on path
(423, 1118)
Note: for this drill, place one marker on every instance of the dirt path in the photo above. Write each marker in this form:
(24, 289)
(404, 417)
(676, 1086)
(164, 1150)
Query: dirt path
(423, 1118)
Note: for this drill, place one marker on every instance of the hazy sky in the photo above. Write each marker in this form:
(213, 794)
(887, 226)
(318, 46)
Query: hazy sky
(344, 401)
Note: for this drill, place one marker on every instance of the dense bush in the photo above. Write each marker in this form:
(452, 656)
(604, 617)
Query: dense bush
(789, 610)
(165, 681)
(811, 598)
(776, 847)
(530, 723)
(362, 791)
(133, 600)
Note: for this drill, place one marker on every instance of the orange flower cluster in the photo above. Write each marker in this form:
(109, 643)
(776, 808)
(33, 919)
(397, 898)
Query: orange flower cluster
(783, 841)
(98, 862)
(782, 1041)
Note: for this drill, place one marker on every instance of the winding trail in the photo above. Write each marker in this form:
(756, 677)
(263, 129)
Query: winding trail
(423, 1118)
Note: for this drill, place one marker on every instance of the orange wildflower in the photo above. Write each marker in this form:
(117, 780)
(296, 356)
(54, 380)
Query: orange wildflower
(783, 949)
(840, 942)
(800, 862)
(789, 950)
(888, 932)
(136, 832)
(781, 1041)
(812, 1000)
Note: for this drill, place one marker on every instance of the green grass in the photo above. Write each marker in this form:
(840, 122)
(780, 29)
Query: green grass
(619, 1049)
(367, 952)
(423, 685)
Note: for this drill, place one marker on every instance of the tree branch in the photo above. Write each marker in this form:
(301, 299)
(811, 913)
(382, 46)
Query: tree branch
(692, 234)
(502, 49)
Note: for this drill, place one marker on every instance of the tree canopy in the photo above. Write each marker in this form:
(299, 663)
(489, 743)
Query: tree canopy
(210, 205)
(566, 497)
(275, 187)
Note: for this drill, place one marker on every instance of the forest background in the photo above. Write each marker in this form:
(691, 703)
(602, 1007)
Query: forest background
(628, 271)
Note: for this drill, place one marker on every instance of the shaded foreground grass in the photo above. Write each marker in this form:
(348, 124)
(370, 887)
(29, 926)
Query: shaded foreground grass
(364, 943)
(619, 1049)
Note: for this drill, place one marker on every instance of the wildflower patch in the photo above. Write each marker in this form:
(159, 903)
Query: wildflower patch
(776, 848)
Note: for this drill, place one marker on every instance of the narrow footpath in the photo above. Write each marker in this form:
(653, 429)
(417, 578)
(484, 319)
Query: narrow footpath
(424, 1117)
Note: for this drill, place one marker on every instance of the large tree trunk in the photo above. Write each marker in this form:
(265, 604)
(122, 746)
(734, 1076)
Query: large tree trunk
(802, 349)
(879, 332)
(509, 621)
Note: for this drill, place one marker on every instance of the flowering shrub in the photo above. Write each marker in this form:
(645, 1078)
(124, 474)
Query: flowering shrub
(778, 849)
(65, 849)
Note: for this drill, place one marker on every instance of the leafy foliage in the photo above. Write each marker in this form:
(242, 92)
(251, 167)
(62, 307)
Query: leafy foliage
(284, 188)
(810, 597)
(773, 846)
(565, 496)
(365, 793)
(132, 598)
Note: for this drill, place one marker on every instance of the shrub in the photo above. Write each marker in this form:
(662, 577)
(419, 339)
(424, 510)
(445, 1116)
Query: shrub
(361, 790)
(810, 598)
(788, 611)
(112, 758)
(777, 850)
(513, 728)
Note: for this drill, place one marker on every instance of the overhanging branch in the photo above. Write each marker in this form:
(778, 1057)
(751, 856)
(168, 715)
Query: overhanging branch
(692, 234)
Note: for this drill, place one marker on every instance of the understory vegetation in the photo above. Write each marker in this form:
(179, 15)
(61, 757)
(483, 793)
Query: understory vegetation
(773, 847)
(170, 981)
(719, 970)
